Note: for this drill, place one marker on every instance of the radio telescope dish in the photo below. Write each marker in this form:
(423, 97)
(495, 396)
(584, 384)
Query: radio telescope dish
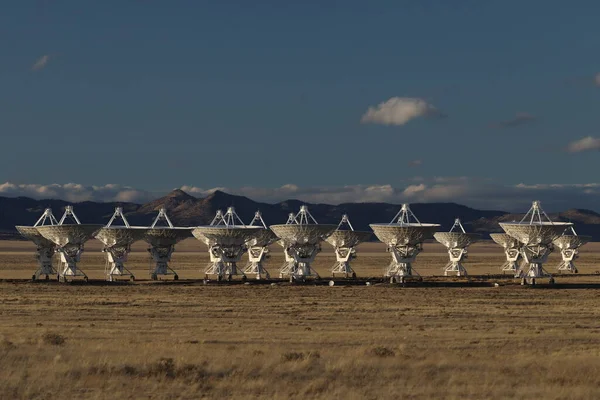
(301, 238)
(162, 241)
(404, 237)
(535, 232)
(44, 248)
(69, 240)
(512, 250)
(344, 240)
(117, 242)
(258, 248)
(226, 240)
(569, 244)
(456, 241)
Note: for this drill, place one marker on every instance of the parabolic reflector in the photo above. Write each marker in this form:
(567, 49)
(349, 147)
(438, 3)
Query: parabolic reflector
(505, 240)
(571, 241)
(116, 236)
(63, 235)
(456, 239)
(409, 234)
(531, 234)
(233, 235)
(262, 238)
(302, 234)
(31, 233)
(165, 237)
(348, 238)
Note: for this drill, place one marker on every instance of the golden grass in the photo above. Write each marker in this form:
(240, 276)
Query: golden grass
(189, 341)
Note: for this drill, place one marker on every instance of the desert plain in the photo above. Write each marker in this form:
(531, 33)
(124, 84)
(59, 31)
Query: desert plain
(187, 340)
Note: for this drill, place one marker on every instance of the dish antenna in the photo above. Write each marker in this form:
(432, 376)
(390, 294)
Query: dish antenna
(535, 232)
(456, 241)
(226, 240)
(404, 237)
(44, 248)
(162, 241)
(258, 248)
(69, 239)
(344, 240)
(569, 244)
(512, 250)
(117, 240)
(301, 238)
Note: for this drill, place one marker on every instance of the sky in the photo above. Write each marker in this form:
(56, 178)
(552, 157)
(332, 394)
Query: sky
(490, 104)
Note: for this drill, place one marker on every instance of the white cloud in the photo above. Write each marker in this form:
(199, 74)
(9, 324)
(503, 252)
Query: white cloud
(398, 111)
(40, 63)
(585, 144)
(477, 193)
(74, 192)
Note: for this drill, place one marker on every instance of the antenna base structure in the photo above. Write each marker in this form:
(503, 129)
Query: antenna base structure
(69, 240)
(569, 244)
(512, 251)
(344, 241)
(404, 237)
(226, 239)
(117, 242)
(456, 241)
(162, 241)
(536, 233)
(568, 255)
(258, 249)
(301, 238)
(45, 249)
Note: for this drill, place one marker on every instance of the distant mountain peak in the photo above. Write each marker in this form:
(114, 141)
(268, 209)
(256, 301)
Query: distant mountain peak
(179, 194)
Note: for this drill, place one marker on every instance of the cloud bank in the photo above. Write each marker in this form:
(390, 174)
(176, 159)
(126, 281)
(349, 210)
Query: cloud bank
(75, 192)
(399, 110)
(472, 192)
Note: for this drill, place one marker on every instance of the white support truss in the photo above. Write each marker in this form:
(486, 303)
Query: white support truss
(45, 250)
(403, 254)
(224, 256)
(299, 256)
(513, 261)
(117, 255)
(344, 253)
(569, 244)
(258, 251)
(161, 252)
(70, 254)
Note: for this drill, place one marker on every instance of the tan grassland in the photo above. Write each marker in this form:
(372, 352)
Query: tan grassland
(186, 340)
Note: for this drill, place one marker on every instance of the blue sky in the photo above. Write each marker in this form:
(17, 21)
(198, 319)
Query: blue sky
(156, 95)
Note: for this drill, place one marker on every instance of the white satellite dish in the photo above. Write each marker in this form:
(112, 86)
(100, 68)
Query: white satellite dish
(162, 241)
(301, 238)
(344, 241)
(456, 241)
(404, 237)
(69, 240)
(226, 239)
(569, 244)
(45, 249)
(117, 242)
(535, 232)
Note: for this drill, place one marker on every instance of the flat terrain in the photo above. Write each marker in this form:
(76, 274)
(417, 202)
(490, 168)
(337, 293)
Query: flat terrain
(186, 340)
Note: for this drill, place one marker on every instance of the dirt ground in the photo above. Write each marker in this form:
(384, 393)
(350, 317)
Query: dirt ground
(186, 340)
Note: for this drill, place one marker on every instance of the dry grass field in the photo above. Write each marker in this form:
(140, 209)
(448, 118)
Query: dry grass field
(186, 340)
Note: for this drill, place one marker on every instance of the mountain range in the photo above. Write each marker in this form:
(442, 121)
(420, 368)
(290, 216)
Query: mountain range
(186, 210)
